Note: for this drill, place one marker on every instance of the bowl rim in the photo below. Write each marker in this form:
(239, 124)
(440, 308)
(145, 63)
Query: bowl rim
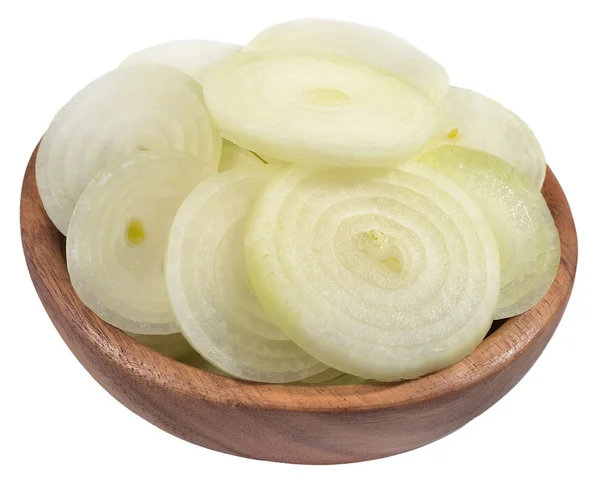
(41, 245)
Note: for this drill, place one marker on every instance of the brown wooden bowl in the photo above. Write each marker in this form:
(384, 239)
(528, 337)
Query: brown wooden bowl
(317, 425)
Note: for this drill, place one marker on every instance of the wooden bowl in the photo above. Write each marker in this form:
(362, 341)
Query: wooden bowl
(316, 425)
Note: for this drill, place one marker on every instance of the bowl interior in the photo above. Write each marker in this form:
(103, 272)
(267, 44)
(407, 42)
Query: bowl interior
(45, 255)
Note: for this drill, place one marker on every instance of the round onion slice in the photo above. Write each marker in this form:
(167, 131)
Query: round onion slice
(233, 156)
(118, 235)
(472, 120)
(527, 238)
(190, 56)
(310, 107)
(173, 345)
(210, 291)
(128, 110)
(367, 44)
(381, 274)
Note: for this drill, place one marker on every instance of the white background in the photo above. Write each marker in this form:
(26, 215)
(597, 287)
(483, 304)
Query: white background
(540, 59)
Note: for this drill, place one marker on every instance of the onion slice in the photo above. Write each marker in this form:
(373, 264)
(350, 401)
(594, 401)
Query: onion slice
(366, 44)
(233, 156)
(209, 288)
(118, 235)
(383, 274)
(315, 108)
(126, 111)
(527, 238)
(475, 121)
(192, 56)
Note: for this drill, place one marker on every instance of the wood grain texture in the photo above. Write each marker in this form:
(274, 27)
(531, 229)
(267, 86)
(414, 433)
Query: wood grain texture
(316, 425)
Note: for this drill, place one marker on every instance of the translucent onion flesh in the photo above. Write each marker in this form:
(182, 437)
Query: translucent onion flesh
(132, 109)
(118, 234)
(366, 44)
(470, 119)
(192, 56)
(211, 294)
(527, 238)
(315, 108)
(381, 274)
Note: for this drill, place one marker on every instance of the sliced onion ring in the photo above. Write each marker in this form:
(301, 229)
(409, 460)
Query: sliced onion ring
(210, 292)
(472, 120)
(527, 238)
(118, 234)
(382, 274)
(132, 109)
(192, 56)
(366, 44)
(315, 108)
